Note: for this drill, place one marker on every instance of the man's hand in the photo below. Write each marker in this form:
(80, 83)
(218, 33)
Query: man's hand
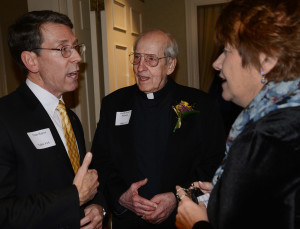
(86, 180)
(188, 212)
(93, 217)
(166, 202)
(134, 202)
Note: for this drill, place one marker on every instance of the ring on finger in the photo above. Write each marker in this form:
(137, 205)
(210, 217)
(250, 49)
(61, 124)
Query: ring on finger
(182, 196)
(179, 189)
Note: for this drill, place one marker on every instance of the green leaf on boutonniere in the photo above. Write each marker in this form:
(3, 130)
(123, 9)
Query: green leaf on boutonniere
(182, 110)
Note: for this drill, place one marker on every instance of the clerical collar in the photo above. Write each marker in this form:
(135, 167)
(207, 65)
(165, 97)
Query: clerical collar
(157, 94)
(150, 96)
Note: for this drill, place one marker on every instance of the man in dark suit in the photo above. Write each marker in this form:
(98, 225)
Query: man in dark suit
(153, 135)
(39, 185)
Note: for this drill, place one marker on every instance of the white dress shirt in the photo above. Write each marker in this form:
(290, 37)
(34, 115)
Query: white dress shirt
(49, 102)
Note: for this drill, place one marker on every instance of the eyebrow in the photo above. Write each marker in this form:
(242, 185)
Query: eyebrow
(61, 42)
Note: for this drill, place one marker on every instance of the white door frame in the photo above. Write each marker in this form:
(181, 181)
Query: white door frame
(192, 38)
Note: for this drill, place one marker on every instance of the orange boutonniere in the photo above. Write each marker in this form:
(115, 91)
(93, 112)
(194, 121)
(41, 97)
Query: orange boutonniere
(182, 110)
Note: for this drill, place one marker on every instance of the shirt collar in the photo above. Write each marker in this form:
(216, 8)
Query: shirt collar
(162, 92)
(47, 99)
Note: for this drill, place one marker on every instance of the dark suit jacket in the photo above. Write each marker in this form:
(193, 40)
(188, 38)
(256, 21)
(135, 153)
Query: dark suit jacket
(260, 186)
(193, 153)
(36, 188)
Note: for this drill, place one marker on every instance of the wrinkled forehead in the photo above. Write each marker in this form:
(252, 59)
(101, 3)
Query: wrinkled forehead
(153, 43)
(57, 34)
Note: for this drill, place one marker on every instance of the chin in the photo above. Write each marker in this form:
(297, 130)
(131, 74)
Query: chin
(144, 89)
(226, 97)
(73, 88)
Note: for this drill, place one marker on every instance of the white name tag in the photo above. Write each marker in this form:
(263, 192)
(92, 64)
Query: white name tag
(41, 139)
(122, 118)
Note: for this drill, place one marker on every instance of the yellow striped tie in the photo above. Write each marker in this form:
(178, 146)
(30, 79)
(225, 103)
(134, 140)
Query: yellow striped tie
(69, 135)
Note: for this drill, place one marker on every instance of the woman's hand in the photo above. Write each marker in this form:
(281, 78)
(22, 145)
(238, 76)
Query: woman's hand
(188, 212)
(205, 187)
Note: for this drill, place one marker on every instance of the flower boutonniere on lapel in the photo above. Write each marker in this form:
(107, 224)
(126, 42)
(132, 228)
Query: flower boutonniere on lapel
(182, 110)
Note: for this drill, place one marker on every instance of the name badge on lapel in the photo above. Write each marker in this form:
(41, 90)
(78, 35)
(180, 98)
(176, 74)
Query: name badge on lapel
(122, 118)
(42, 139)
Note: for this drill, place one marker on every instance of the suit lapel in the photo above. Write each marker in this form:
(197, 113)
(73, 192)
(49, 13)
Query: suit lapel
(42, 120)
(171, 155)
(126, 135)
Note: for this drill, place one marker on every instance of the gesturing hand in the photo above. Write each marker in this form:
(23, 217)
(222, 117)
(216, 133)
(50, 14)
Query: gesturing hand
(86, 180)
(134, 202)
(188, 212)
(166, 202)
(93, 217)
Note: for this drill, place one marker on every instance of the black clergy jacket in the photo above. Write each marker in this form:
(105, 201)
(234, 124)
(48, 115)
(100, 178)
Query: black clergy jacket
(260, 186)
(193, 152)
(36, 185)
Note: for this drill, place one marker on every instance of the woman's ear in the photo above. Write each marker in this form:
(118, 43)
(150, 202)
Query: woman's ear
(171, 66)
(30, 61)
(267, 62)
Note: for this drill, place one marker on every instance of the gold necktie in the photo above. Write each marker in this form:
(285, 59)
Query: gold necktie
(69, 135)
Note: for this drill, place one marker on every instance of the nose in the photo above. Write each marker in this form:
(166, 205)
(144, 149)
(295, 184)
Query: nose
(75, 57)
(142, 65)
(217, 65)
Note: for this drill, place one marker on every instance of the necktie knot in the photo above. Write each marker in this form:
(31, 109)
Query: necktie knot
(61, 106)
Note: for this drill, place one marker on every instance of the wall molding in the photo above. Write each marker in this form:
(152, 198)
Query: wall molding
(192, 38)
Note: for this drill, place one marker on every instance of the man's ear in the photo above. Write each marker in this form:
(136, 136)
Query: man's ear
(30, 61)
(171, 66)
(267, 62)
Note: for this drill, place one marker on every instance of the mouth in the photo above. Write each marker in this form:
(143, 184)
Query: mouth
(73, 75)
(223, 79)
(142, 78)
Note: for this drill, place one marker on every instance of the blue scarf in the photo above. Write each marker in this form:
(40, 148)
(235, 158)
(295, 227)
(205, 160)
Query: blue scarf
(273, 96)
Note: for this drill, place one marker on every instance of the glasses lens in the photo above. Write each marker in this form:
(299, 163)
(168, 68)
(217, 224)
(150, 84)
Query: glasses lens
(135, 58)
(151, 59)
(80, 48)
(66, 51)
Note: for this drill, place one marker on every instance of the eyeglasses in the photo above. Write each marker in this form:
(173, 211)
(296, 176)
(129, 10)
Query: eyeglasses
(67, 50)
(150, 59)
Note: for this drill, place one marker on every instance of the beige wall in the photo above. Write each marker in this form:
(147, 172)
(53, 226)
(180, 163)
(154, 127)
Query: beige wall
(169, 15)
(10, 10)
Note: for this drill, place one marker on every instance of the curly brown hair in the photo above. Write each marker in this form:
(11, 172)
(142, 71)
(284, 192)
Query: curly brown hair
(271, 27)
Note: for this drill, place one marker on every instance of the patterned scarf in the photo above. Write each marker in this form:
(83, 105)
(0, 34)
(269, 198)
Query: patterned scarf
(272, 96)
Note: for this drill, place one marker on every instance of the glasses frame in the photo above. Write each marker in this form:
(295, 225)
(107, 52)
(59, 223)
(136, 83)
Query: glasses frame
(143, 55)
(66, 46)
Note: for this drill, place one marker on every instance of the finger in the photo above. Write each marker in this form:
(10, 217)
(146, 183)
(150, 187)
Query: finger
(205, 185)
(93, 193)
(86, 162)
(179, 191)
(141, 183)
(99, 225)
(154, 219)
(177, 187)
(147, 204)
(85, 220)
(141, 212)
(87, 210)
(147, 213)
